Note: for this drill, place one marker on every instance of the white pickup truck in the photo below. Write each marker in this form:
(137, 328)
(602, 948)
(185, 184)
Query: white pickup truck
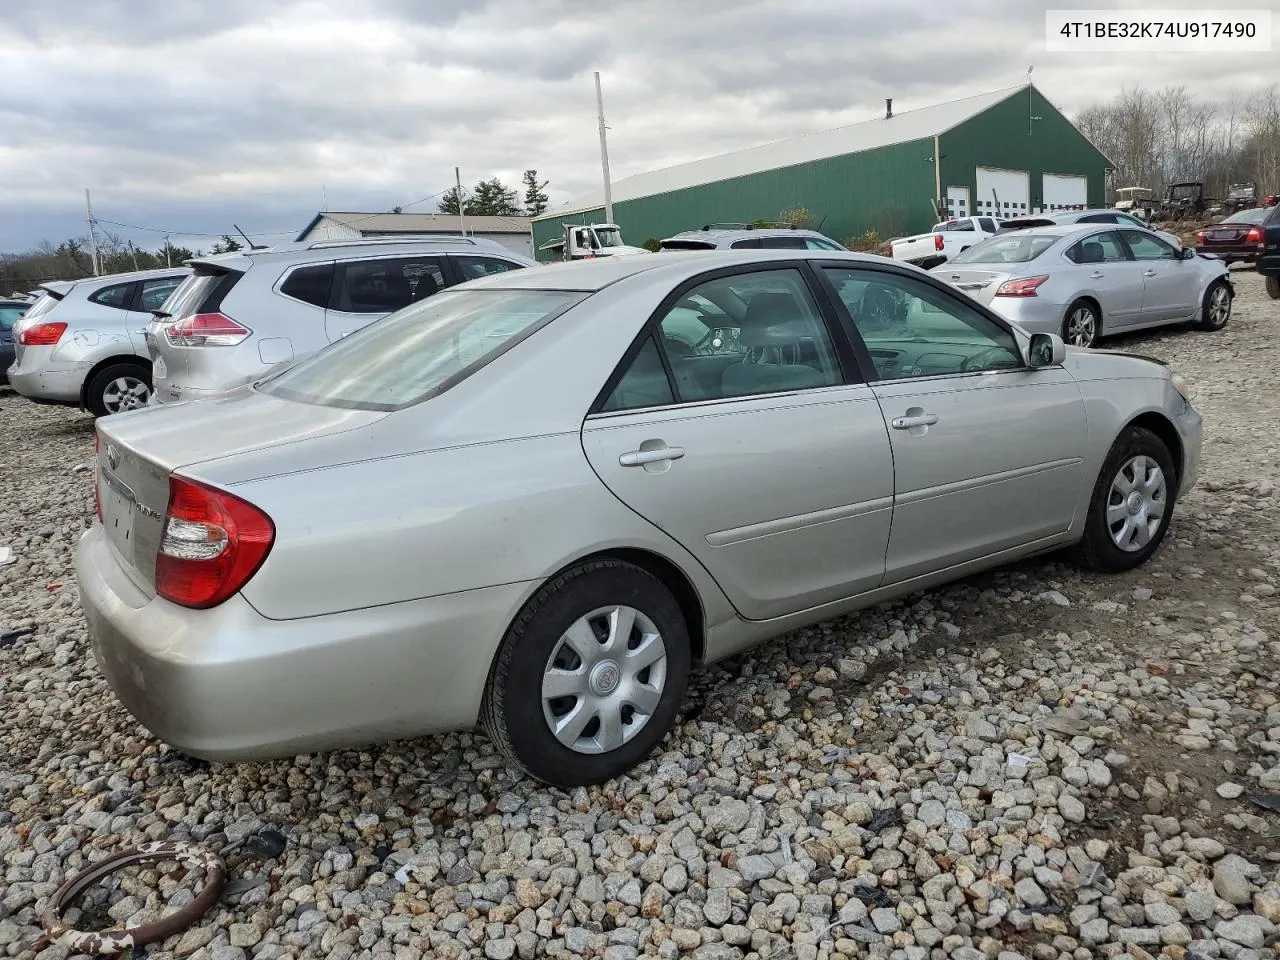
(943, 242)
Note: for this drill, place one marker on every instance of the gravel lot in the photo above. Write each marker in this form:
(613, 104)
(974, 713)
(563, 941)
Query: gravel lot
(1033, 763)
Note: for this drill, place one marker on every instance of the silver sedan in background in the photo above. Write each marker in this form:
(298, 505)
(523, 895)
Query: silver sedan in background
(537, 500)
(1085, 282)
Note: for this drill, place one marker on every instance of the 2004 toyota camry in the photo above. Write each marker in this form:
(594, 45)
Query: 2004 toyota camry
(536, 500)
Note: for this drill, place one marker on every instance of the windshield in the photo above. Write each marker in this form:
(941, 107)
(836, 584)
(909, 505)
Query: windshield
(419, 351)
(951, 226)
(609, 236)
(189, 295)
(1254, 216)
(1007, 248)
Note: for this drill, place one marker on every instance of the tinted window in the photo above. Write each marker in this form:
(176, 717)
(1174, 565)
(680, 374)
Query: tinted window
(1100, 248)
(1144, 246)
(9, 315)
(988, 224)
(687, 245)
(645, 383)
(748, 334)
(156, 292)
(782, 243)
(954, 226)
(416, 353)
(472, 267)
(1006, 248)
(310, 284)
(751, 244)
(913, 329)
(118, 296)
(384, 286)
(191, 294)
(1098, 218)
(814, 244)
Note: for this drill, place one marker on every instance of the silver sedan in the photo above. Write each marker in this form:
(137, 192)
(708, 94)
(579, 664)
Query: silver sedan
(1085, 282)
(536, 501)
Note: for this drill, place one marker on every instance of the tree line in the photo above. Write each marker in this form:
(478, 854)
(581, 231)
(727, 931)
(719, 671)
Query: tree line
(1159, 137)
(493, 198)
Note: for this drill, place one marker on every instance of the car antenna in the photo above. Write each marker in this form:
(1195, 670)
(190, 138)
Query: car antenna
(252, 245)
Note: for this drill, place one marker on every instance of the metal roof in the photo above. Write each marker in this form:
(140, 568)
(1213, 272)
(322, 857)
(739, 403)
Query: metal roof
(854, 138)
(392, 223)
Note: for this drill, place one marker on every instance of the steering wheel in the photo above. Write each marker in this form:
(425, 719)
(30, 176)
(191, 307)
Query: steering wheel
(992, 358)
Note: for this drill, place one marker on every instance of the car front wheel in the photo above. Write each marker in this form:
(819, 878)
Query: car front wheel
(1215, 310)
(588, 679)
(1132, 503)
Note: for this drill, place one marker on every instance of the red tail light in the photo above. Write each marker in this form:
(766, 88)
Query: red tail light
(1254, 235)
(97, 476)
(937, 242)
(1020, 288)
(1200, 236)
(212, 544)
(206, 330)
(42, 334)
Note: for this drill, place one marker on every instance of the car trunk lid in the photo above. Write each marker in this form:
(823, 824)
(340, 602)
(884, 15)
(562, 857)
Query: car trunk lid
(138, 451)
(979, 282)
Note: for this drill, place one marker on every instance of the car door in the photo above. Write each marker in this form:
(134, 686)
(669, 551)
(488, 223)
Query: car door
(1104, 270)
(148, 295)
(366, 289)
(988, 453)
(1171, 288)
(761, 452)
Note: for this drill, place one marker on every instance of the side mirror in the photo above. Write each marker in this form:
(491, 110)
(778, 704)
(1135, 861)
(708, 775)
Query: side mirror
(1188, 253)
(1046, 350)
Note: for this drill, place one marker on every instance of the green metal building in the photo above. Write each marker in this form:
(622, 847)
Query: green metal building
(1003, 153)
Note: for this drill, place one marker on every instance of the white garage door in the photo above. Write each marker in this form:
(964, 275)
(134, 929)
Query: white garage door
(1012, 188)
(1065, 192)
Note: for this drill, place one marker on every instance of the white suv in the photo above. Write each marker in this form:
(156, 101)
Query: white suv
(242, 313)
(83, 342)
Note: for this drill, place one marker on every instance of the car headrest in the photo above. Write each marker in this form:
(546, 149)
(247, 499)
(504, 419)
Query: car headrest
(771, 320)
(1091, 252)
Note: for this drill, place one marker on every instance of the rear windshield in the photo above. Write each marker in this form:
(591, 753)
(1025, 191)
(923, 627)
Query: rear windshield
(1256, 215)
(1020, 248)
(189, 297)
(420, 351)
(687, 245)
(43, 305)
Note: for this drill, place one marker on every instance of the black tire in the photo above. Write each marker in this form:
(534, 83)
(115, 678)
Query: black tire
(1206, 305)
(1096, 324)
(1273, 287)
(1097, 549)
(99, 395)
(512, 710)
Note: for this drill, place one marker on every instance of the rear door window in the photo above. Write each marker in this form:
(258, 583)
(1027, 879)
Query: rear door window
(988, 225)
(386, 285)
(310, 284)
(751, 244)
(473, 267)
(119, 296)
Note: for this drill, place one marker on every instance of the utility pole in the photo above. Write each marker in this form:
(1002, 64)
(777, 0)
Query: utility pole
(604, 154)
(168, 252)
(135, 256)
(457, 179)
(93, 236)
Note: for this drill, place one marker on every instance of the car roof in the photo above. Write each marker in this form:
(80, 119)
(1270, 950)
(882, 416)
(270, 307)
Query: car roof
(595, 274)
(717, 234)
(340, 249)
(106, 279)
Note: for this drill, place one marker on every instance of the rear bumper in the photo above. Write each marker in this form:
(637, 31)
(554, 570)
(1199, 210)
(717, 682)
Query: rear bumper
(1230, 254)
(39, 378)
(229, 684)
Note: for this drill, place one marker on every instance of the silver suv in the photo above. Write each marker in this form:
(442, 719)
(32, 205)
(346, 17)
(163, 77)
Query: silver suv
(82, 343)
(242, 313)
(745, 236)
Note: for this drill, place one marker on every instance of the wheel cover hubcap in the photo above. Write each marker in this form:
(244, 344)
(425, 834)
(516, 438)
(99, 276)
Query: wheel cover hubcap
(124, 393)
(1219, 307)
(1136, 504)
(604, 679)
(1080, 328)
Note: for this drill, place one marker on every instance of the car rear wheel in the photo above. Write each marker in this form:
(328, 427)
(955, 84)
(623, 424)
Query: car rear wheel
(588, 679)
(1273, 288)
(1132, 503)
(117, 388)
(1215, 310)
(1082, 325)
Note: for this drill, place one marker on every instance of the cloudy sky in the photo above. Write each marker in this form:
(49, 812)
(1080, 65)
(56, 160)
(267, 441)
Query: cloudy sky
(188, 117)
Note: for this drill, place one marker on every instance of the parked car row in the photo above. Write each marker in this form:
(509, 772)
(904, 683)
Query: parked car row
(535, 501)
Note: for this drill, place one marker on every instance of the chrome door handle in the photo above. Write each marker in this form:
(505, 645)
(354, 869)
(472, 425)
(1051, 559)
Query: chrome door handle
(1148, 273)
(1095, 275)
(906, 423)
(638, 458)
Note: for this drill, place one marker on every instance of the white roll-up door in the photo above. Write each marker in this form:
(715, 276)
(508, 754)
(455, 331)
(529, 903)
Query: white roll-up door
(1011, 188)
(1065, 192)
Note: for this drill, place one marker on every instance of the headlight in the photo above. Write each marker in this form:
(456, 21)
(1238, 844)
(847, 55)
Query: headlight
(1181, 386)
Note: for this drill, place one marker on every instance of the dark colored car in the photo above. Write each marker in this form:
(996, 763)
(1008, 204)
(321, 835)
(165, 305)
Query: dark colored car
(10, 311)
(1236, 238)
(1268, 262)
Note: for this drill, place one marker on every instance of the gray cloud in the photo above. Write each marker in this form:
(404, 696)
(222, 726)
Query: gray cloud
(194, 116)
